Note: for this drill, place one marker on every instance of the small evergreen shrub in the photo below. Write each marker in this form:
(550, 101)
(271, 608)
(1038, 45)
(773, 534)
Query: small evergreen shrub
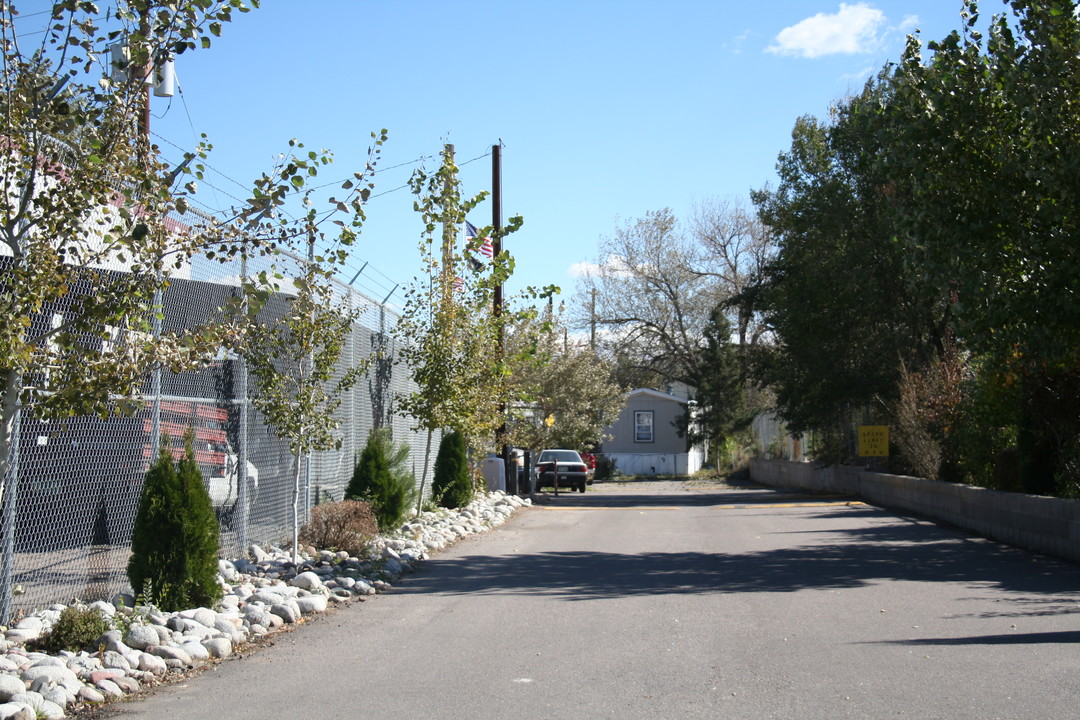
(348, 525)
(201, 537)
(156, 563)
(76, 629)
(174, 542)
(382, 480)
(451, 486)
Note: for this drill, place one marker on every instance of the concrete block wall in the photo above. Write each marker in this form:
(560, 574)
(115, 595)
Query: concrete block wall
(1044, 524)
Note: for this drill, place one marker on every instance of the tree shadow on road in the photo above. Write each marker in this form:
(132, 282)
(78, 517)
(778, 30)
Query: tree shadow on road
(1069, 637)
(840, 555)
(690, 496)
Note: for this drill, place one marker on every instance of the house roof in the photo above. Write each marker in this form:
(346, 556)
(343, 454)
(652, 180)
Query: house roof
(649, 392)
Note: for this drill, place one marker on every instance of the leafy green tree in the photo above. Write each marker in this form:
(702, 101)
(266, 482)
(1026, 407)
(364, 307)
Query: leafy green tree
(293, 362)
(452, 485)
(453, 353)
(992, 213)
(836, 296)
(382, 479)
(83, 218)
(83, 212)
(937, 206)
(293, 358)
(566, 393)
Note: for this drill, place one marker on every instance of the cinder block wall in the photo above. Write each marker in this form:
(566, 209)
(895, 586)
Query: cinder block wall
(1045, 524)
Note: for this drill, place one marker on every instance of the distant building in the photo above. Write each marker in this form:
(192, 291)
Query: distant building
(645, 436)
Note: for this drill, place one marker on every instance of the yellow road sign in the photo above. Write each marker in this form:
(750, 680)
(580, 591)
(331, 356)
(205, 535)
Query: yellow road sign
(873, 441)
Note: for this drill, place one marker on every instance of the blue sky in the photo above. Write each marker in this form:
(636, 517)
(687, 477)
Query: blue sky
(607, 110)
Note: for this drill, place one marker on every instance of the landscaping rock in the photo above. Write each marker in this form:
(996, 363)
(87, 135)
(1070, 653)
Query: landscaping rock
(152, 664)
(10, 686)
(285, 611)
(261, 596)
(218, 648)
(307, 581)
(17, 711)
(312, 604)
(141, 637)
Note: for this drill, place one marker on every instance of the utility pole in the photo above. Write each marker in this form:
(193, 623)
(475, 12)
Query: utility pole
(496, 223)
(592, 322)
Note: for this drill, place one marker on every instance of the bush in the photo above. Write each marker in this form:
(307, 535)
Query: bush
(348, 525)
(382, 480)
(451, 487)
(605, 468)
(76, 629)
(174, 542)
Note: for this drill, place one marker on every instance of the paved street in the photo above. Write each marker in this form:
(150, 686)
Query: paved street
(652, 600)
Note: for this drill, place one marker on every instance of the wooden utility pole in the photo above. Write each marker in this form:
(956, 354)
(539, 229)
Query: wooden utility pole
(496, 224)
(497, 310)
(592, 321)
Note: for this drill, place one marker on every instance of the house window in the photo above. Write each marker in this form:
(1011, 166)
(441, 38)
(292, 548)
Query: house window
(643, 426)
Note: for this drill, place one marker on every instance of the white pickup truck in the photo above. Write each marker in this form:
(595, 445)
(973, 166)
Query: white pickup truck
(224, 487)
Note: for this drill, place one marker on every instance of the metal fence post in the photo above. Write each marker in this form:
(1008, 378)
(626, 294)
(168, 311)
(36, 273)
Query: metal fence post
(242, 498)
(155, 381)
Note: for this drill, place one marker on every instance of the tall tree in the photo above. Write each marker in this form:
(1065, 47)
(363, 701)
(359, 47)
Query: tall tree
(940, 203)
(294, 358)
(83, 238)
(85, 246)
(986, 133)
(453, 351)
(723, 401)
(839, 342)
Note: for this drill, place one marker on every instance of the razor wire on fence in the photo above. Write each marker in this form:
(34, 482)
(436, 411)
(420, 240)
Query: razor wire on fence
(72, 509)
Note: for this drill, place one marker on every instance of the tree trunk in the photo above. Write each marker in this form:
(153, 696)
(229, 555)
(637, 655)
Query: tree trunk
(12, 391)
(423, 474)
(9, 491)
(296, 510)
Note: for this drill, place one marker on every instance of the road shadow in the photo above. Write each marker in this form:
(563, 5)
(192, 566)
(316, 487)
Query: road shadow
(893, 549)
(1067, 637)
(632, 495)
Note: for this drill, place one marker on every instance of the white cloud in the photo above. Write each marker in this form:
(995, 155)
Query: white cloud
(613, 266)
(583, 269)
(909, 23)
(735, 45)
(852, 30)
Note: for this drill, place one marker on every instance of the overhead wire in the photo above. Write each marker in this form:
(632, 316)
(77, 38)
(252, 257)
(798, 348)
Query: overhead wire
(390, 283)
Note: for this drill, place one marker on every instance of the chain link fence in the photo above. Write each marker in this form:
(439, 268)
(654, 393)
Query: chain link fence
(69, 511)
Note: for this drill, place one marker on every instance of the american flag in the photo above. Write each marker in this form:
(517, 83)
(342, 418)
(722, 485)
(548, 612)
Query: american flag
(486, 249)
(459, 284)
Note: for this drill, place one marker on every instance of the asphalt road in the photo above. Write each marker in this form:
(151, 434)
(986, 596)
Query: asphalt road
(651, 600)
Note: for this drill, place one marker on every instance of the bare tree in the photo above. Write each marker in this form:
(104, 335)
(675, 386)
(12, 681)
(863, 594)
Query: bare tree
(732, 248)
(649, 306)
